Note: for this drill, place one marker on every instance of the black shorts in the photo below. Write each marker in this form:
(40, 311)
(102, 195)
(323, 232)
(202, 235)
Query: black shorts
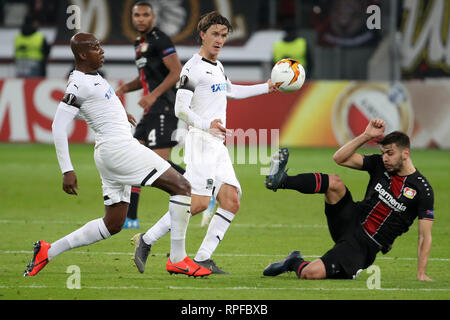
(353, 249)
(156, 130)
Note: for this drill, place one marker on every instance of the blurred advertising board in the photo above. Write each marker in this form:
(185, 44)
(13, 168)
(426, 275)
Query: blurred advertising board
(110, 20)
(320, 114)
(425, 39)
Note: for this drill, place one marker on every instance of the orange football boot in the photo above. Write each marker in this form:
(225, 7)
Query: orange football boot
(40, 258)
(188, 267)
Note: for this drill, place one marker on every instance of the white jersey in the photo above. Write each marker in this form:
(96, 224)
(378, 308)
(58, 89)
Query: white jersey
(209, 83)
(203, 91)
(99, 106)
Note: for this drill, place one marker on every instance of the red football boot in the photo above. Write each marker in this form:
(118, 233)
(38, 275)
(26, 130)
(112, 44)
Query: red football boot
(40, 258)
(188, 267)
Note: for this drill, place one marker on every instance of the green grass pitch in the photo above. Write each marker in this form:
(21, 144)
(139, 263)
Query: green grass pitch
(268, 226)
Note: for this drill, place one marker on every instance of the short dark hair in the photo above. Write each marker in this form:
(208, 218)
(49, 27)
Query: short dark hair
(143, 3)
(209, 19)
(399, 138)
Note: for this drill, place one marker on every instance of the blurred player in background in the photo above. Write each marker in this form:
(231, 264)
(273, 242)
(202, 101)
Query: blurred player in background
(397, 193)
(31, 50)
(201, 102)
(159, 69)
(120, 159)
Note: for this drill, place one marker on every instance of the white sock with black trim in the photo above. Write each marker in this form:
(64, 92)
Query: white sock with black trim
(216, 231)
(158, 230)
(179, 208)
(91, 232)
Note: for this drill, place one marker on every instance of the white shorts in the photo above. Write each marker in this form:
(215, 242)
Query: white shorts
(122, 165)
(208, 164)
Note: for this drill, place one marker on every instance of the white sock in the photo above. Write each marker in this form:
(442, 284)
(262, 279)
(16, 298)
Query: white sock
(216, 231)
(159, 229)
(91, 232)
(179, 219)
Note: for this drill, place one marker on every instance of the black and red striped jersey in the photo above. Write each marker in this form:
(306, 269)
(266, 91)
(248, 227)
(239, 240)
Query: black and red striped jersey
(392, 203)
(150, 52)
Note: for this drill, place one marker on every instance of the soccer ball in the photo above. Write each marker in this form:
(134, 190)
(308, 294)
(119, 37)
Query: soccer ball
(288, 75)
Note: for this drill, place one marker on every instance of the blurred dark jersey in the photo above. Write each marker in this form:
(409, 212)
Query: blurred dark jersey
(150, 52)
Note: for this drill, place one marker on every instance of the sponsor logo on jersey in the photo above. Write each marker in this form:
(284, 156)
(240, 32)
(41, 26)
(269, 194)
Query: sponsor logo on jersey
(109, 93)
(409, 193)
(388, 199)
(219, 87)
(141, 62)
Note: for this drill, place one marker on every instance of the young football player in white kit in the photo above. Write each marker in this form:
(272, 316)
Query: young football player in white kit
(201, 102)
(120, 159)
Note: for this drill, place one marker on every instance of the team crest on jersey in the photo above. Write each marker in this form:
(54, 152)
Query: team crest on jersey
(209, 184)
(144, 47)
(409, 193)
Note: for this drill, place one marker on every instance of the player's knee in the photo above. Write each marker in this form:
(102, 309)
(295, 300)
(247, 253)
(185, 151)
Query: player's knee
(199, 206)
(114, 226)
(335, 183)
(231, 204)
(184, 187)
(311, 272)
(308, 274)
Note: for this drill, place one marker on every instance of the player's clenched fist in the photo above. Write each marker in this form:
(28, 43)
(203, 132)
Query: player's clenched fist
(375, 128)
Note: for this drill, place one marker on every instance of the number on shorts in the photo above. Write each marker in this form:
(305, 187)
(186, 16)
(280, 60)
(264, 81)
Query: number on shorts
(152, 138)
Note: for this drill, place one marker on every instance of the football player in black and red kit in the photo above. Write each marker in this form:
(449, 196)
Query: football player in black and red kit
(159, 70)
(397, 193)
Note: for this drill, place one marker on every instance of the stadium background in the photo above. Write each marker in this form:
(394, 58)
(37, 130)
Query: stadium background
(399, 72)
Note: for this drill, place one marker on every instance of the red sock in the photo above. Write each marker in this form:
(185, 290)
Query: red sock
(301, 267)
(308, 183)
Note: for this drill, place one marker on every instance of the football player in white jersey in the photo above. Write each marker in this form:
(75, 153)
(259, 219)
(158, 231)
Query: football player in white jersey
(201, 102)
(120, 159)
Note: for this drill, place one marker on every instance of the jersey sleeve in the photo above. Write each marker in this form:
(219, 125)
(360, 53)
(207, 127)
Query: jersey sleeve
(75, 95)
(371, 162)
(188, 79)
(63, 117)
(185, 92)
(426, 204)
(165, 46)
(235, 91)
(69, 108)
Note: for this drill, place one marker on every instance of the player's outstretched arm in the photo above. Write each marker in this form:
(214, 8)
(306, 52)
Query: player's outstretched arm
(346, 155)
(423, 248)
(235, 91)
(272, 87)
